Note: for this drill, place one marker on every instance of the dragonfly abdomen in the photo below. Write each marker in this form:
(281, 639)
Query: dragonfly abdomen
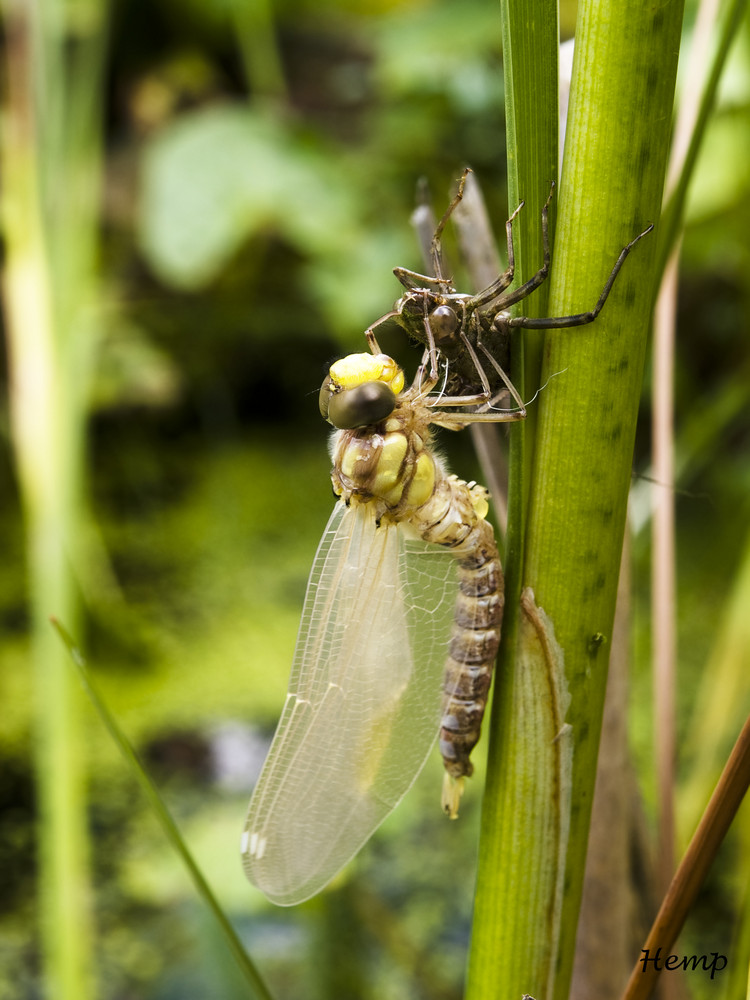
(468, 670)
(478, 617)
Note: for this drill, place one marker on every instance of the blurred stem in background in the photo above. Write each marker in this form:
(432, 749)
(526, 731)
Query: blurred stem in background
(261, 59)
(51, 146)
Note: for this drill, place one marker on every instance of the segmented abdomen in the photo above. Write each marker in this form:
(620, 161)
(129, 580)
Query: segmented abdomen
(476, 630)
(394, 467)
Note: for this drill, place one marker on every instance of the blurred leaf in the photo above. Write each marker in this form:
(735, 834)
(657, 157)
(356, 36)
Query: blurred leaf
(217, 176)
(443, 49)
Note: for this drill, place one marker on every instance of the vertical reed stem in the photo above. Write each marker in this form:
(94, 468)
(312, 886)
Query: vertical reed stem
(50, 164)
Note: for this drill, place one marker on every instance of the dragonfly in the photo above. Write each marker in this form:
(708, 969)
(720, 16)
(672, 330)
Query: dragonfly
(403, 611)
(467, 335)
(399, 632)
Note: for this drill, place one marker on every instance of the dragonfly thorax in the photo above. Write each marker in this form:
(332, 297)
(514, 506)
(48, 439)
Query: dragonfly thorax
(388, 462)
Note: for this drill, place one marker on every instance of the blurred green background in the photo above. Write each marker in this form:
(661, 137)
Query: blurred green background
(258, 169)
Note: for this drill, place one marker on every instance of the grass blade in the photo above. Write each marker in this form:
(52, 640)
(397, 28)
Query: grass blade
(168, 825)
(517, 876)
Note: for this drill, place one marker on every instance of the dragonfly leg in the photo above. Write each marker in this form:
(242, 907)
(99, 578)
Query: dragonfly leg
(370, 336)
(578, 319)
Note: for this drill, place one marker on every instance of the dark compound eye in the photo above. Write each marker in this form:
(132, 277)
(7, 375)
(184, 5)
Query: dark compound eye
(361, 406)
(444, 326)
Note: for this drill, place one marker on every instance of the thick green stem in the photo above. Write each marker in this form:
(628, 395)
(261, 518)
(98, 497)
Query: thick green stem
(564, 546)
(615, 160)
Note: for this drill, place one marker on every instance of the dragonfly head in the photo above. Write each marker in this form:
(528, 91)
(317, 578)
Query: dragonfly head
(360, 390)
(446, 329)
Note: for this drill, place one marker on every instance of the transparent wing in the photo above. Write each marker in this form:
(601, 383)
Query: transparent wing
(364, 703)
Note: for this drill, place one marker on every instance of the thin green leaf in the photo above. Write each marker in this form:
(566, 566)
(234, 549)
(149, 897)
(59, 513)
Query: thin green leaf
(731, 18)
(169, 826)
(517, 858)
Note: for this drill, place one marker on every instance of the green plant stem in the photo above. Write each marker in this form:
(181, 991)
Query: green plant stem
(615, 161)
(536, 811)
(261, 57)
(47, 482)
(50, 158)
(509, 947)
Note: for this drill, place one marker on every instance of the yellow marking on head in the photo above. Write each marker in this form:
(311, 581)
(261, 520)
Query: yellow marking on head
(356, 369)
(423, 482)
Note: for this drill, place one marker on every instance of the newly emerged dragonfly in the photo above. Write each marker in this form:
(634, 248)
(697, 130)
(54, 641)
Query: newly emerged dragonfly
(399, 633)
(467, 335)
